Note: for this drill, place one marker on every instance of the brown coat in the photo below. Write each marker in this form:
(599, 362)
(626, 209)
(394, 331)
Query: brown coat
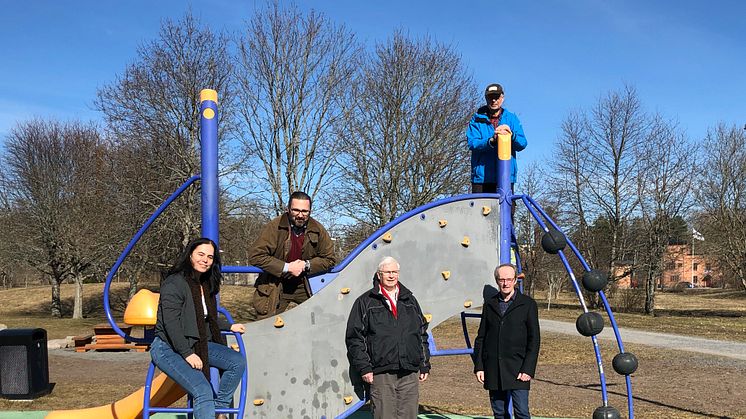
(270, 250)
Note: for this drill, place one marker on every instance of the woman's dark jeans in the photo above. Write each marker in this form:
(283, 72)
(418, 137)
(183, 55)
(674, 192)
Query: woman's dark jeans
(194, 382)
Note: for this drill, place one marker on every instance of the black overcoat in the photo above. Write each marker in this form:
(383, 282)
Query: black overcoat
(507, 345)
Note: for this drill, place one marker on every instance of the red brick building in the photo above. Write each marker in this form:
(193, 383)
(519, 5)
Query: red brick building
(680, 267)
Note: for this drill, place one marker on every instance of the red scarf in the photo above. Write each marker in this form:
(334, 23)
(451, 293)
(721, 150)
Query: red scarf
(392, 303)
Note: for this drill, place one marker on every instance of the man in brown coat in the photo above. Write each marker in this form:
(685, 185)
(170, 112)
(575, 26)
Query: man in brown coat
(289, 248)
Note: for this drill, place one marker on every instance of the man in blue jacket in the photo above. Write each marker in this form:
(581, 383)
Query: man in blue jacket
(489, 121)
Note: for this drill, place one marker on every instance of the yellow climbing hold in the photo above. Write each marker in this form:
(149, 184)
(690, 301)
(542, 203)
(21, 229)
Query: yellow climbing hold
(279, 322)
(486, 210)
(348, 399)
(387, 237)
(345, 290)
(446, 275)
(442, 223)
(467, 304)
(258, 402)
(465, 242)
(428, 317)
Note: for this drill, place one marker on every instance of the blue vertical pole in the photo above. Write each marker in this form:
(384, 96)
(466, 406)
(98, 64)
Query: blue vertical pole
(209, 145)
(503, 188)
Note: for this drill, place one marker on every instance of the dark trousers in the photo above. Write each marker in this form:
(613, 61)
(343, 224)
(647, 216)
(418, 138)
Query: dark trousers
(488, 188)
(292, 294)
(483, 187)
(499, 402)
(395, 395)
(194, 382)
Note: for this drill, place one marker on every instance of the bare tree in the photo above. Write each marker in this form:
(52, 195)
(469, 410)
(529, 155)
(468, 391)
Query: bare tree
(8, 233)
(617, 127)
(403, 145)
(294, 80)
(597, 163)
(152, 112)
(59, 173)
(555, 281)
(571, 181)
(721, 195)
(532, 182)
(665, 177)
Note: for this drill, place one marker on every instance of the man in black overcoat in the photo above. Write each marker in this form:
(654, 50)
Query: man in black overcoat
(507, 345)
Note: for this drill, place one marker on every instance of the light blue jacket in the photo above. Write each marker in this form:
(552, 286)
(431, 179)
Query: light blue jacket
(484, 154)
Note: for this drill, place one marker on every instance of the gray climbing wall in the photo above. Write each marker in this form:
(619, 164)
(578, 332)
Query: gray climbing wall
(300, 370)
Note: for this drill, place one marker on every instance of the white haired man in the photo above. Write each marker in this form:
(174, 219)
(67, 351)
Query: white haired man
(387, 344)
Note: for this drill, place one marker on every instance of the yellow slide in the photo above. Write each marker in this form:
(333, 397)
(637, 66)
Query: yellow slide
(163, 392)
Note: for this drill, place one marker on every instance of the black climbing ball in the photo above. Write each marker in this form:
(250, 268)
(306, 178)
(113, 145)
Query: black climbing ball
(624, 363)
(595, 280)
(553, 241)
(589, 324)
(606, 412)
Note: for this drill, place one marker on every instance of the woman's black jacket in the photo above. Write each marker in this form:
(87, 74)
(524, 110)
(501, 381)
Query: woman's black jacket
(177, 321)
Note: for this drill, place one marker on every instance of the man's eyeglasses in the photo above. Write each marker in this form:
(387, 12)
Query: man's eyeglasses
(390, 272)
(300, 211)
(505, 280)
(495, 98)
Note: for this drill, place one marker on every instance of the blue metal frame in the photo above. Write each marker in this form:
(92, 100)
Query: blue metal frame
(126, 252)
(434, 351)
(533, 207)
(209, 162)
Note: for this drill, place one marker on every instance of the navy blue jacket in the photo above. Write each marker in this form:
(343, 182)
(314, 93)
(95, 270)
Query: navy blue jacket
(509, 344)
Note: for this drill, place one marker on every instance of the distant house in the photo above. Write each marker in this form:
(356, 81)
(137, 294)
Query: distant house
(680, 268)
(679, 265)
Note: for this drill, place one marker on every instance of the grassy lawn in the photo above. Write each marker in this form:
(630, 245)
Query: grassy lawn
(713, 314)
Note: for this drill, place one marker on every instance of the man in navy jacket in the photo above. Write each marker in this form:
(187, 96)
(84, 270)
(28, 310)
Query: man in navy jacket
(507, 345)
(481, 135)
(387, 344)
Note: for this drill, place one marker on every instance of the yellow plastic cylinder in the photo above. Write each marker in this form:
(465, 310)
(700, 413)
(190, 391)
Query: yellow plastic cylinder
(208, 94)
(503, 146)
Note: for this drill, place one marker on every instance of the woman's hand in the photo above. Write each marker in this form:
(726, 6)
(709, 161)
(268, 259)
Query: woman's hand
(238, 328)
(194, 361)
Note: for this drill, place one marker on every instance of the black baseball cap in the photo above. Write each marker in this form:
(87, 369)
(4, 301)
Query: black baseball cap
(493, 89)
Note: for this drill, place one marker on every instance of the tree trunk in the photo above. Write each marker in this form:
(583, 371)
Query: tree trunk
(133, 284)
(650, 294)
(56, 303)
(78, 306)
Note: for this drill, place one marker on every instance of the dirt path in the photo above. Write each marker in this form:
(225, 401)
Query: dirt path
(722, 348)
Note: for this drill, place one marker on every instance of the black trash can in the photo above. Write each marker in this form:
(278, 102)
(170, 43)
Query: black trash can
(24, 365)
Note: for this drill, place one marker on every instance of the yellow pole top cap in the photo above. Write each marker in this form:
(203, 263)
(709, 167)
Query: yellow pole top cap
(208, 94)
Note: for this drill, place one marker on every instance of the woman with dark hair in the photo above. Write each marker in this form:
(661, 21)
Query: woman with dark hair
(187, 333)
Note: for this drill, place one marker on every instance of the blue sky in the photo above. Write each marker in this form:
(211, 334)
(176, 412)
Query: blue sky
(686, 58)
